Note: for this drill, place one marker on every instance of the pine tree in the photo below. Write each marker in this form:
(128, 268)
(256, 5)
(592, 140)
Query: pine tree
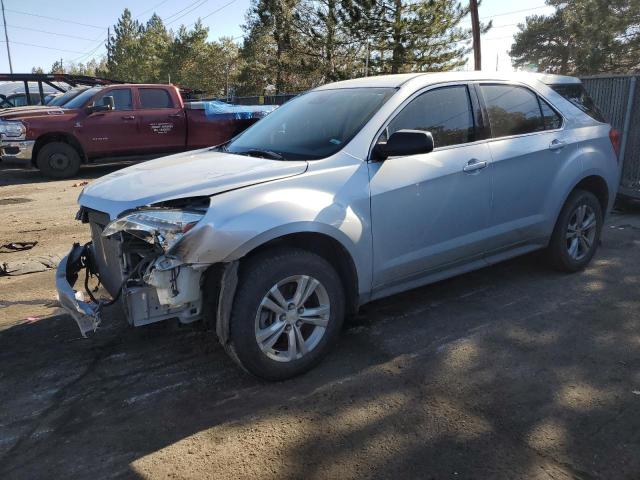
(125, 51)
(581, 37)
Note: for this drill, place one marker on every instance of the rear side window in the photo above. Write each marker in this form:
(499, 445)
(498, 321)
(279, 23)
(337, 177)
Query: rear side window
(445, 112)
(512, 110)
(155, 98)
(122, 99)
(577, 95)
(550, 117)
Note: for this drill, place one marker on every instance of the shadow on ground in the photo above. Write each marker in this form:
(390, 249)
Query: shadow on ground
(13, 172)
(509, 372)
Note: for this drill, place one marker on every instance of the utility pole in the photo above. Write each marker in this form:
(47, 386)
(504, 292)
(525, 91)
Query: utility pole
(6, 36)
(108, 46)
(475, 27)
(366, 62)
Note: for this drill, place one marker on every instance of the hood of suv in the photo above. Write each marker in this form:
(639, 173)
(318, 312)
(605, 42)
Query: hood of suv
(189, 174)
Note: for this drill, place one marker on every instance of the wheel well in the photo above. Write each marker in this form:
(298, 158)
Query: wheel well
(328, 248)
(598, 186)
(57, 137)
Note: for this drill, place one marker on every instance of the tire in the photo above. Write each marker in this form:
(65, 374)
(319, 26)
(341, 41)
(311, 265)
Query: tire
(58, 160)
(572, 247)
(287, 269)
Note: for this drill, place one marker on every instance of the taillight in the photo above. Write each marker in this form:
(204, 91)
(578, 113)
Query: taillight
(614, 136)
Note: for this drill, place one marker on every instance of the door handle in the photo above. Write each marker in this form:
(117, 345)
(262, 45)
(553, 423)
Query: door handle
(557, 145)
(474, 165)
(129, 117)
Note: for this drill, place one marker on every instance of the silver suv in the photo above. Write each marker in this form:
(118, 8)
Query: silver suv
(351, 192)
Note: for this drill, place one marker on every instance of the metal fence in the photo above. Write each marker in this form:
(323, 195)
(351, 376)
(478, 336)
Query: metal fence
(263, 99)
(618, 98)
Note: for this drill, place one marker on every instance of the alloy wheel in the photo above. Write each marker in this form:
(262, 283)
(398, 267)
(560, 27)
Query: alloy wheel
(581, 232)
(292, 318)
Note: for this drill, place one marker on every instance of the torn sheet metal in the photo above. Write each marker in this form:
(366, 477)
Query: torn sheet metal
(86, 314)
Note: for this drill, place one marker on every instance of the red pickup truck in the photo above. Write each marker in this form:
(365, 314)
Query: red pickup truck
(117, 121)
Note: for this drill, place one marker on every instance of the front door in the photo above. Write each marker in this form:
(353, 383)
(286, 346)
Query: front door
(431, 211)
(111, 132)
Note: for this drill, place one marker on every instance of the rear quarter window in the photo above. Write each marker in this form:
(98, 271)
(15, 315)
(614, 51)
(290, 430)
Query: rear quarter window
(578, 96)
(513, 110)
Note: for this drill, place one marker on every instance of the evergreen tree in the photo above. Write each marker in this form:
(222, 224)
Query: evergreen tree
(124, 51)
(581, 37)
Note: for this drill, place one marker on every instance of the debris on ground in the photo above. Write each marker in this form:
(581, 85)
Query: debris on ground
(81, 184)
(17, 246)
(30, 265)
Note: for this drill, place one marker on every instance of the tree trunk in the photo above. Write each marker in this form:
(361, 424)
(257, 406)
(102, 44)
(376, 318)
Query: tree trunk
(397, 59)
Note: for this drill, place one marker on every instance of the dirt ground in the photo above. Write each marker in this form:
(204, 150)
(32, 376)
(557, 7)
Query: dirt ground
(514, 371)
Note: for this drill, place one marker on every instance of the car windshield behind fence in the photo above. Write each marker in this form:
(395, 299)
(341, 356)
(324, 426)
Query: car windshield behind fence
(314, 125)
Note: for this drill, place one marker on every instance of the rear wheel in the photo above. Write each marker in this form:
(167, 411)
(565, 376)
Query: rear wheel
(58, 160)
(577, 232)
(287, 313)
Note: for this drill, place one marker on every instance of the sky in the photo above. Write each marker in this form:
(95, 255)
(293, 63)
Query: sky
(42, 32)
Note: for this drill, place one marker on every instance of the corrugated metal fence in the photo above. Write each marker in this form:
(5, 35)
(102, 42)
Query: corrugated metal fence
(618, 97)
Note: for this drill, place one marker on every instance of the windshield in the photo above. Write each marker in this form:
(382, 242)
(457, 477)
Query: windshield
(65, 97)
(81, 99)
(312, 126)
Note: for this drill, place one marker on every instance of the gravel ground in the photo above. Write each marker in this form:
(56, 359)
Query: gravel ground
(514, 371)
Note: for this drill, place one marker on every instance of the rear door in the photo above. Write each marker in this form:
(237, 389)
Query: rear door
(162, 121)
(529, 148)
(113, 132)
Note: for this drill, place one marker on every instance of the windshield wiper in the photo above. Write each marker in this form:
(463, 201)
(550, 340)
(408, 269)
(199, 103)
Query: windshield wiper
(256, 152)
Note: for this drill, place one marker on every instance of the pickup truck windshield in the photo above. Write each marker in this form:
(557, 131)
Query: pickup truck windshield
(83, 98)
(311, 126)
(66, 97)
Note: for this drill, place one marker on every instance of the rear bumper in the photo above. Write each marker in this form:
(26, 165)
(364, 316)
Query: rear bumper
(18, 149)
(86, 314)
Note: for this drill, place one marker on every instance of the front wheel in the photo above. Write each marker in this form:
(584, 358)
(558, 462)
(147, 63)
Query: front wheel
(577, 232)
(58, 160)
(287, 313)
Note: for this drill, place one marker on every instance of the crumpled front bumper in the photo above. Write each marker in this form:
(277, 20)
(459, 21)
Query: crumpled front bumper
(86, 314)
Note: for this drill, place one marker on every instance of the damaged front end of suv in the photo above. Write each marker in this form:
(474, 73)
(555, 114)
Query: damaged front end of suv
(136, 258)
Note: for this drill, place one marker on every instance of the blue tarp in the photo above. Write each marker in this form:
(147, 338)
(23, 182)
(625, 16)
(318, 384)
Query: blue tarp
(238, 112)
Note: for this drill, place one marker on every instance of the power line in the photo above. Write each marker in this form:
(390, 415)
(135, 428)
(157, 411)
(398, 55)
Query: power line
(218, 9)
(51, 33)
(199, 2)
(187, 12)
(152, 8)
(513, 11)
(54, 18)
(41, 46)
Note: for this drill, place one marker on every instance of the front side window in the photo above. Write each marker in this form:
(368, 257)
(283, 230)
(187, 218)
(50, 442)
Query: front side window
(512, 110)
(155, 98)
(445, 112)
(312, 126)
(122, 99)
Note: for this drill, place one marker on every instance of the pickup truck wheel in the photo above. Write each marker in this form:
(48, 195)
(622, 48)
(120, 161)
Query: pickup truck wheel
(577, 232)
(58, 160)
(287, 313)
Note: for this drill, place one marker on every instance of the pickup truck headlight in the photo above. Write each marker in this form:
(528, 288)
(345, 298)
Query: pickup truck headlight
(12, 129)
(164, 226)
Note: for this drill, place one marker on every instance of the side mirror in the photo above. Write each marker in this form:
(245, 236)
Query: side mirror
(107, 105)
(403, 143)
